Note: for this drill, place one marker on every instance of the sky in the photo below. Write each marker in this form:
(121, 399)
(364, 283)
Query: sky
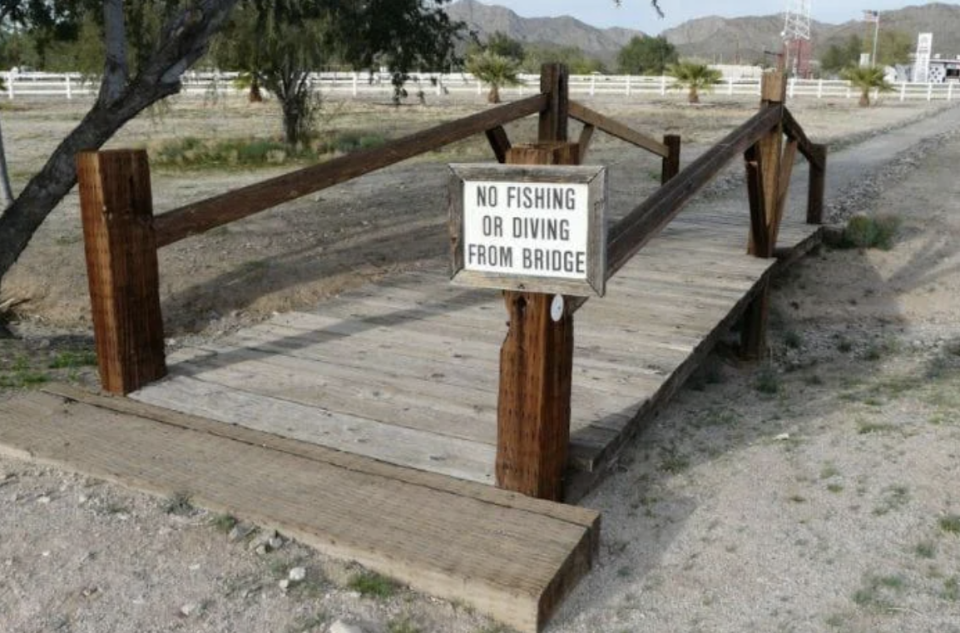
(638, 14)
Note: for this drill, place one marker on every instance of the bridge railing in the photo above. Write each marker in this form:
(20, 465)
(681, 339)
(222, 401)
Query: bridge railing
(122, 237)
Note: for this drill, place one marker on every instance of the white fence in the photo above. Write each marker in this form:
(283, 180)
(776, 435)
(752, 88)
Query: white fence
(70, 85)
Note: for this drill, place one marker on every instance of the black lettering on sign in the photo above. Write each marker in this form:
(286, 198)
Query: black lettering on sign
(541, 229)
(486, 196)
(492, 225)
(541, 197)
(554, 260)
(490, 255)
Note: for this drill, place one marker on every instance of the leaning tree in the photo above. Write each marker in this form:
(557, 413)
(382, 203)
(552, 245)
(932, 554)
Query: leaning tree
(186, 32)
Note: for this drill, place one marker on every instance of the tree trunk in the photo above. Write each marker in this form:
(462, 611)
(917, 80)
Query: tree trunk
(291, 120)
(494, 95)
(694, 96)
(115, 41)
(183, 40)
(865, 98)
(5, 175)
(255, 95)
(45, 190)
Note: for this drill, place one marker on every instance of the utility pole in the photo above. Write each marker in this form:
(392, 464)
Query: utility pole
(873, 16)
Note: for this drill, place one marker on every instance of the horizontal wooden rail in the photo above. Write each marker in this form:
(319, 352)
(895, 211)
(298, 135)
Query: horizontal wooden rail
(795, 132)
(603, 123)
(636, 229)
(219, 210)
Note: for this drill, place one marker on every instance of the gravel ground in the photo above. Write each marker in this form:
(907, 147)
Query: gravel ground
(806, 493)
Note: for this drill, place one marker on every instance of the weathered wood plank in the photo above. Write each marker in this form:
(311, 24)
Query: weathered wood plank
(554, 115)
(631, 233)
(378, 440)
(758, 240)
(817, 186)
(499, 142)
(202, 216)
(786, 170)
(586, 135)
(585, 115)
(511, 558)
(671, 162)
(811, 151)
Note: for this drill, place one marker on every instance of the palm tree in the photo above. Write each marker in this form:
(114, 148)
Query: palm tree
(695, 77)
(867, 78)
(495, 70)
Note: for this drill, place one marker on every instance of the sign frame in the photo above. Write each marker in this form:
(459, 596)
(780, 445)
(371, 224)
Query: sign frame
(594, 176)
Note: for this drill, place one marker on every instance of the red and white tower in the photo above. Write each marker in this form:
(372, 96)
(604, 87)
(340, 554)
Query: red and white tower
(797, 44)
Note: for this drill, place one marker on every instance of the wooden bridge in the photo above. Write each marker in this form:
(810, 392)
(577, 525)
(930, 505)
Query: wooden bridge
(402, 404)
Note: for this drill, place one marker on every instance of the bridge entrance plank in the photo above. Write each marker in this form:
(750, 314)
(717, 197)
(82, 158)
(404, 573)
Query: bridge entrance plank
(509, 556)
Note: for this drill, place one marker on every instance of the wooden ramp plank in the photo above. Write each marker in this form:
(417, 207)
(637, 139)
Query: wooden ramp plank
(509, 558)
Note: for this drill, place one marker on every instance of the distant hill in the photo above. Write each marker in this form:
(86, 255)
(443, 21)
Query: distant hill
(567, 31)
(714, 38)
(711, 38)
(725, 40)
(943, 20)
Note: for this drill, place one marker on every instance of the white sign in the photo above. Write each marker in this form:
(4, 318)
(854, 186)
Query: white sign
(533, 228)
(921, 65)
(526, 228)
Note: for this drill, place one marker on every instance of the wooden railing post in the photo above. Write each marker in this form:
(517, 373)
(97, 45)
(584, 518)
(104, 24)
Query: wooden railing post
(764, 175)
(671, 162)
(815, 194)
(536, 360)
(555, 82)
(117, 211)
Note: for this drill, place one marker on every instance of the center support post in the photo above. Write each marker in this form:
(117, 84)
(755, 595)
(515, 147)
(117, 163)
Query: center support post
(536, 359)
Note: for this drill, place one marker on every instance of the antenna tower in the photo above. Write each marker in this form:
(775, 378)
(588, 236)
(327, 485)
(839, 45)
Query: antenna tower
(797, 44)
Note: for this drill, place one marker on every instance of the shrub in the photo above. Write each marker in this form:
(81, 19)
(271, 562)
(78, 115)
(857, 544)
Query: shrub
(865, 231)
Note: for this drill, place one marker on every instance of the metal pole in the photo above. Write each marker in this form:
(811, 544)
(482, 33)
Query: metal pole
(876, 36)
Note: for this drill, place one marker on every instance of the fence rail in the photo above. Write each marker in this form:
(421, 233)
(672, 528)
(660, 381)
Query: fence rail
(355, 84)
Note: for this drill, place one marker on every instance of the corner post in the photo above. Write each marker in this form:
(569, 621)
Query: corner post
(763, 164)
(116, 207)
(671, 162)
(815, 194)
(536, 359)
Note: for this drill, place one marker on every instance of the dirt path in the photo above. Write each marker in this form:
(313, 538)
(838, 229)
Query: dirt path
(809, 493)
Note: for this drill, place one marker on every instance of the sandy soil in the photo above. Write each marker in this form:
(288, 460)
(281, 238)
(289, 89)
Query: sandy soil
(810, 492)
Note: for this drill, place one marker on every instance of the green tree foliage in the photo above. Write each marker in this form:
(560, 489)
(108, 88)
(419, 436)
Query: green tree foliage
(278, 43)
(893, 47)
(694, 77)
(840, 56)
(578, 62)
(647, 56)
(502, 44)
(867, 79)
(495, 70)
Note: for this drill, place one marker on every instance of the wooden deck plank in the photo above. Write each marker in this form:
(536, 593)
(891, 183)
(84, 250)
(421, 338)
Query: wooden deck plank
(506, 559)
(370, 438)
(420, 354)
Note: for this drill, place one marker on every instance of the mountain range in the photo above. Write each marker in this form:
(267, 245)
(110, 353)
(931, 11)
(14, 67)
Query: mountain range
(712, 38)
